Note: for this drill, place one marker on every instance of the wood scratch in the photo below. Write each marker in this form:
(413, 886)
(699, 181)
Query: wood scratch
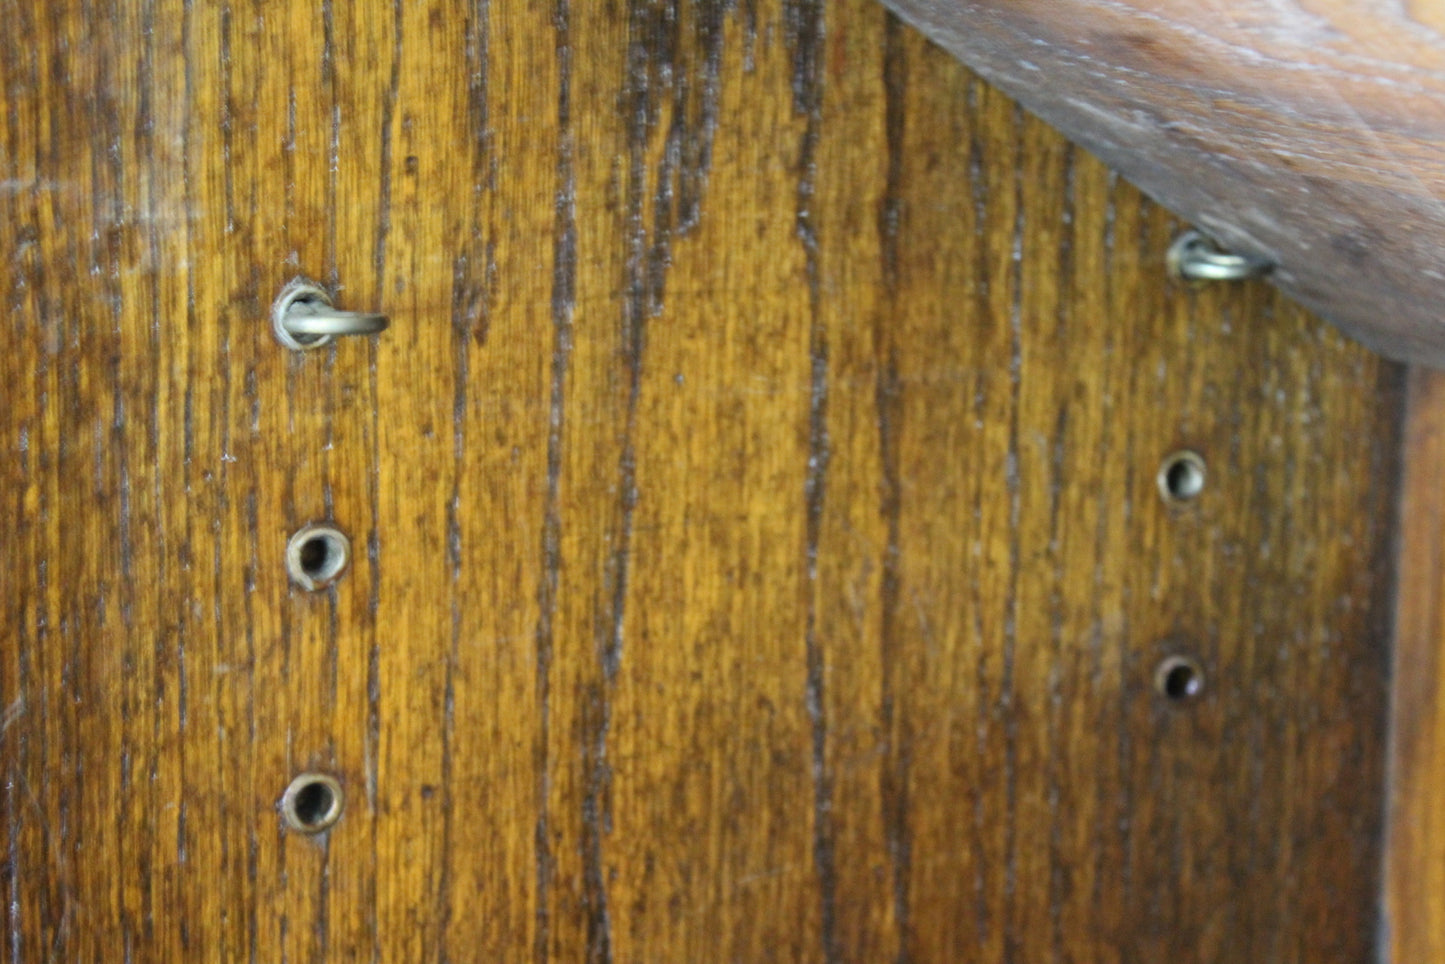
(12, 713)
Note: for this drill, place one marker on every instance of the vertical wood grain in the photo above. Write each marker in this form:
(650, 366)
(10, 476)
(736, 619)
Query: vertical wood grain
(757, 549)
(1413, 879)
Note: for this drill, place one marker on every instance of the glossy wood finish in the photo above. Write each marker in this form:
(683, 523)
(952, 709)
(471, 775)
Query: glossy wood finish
(759, 555)
(1309, 132)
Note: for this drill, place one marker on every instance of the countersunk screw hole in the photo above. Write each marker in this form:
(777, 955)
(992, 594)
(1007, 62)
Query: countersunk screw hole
(1179, 678)
(317, 555)
(312, 803)
(1181, 477)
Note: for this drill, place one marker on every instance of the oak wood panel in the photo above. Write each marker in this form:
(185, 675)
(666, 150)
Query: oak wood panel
(1415, 851)
(758, 555)
(1307, 132)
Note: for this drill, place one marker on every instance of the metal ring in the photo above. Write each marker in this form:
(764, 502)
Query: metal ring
(317, 555)
(309, 318)
(1195, 257)
(303, 317)
(312, 803)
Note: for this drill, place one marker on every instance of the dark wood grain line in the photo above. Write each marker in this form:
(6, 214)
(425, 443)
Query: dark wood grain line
(749, 17)
(815, 696)
(803, 20)
(372, 444)
(595, 721)
(896, 759)
(188, 835)
(294, 246)
(372, 439)
(979, 272)
(13, 694)
(374, 542)
(331, 85)
(1008, 697)
(322, 750)
(706, 86)
(1108, 836)
(12, 842)
(1281, 518)
(388, 112)
(60, 806)
(1125, 793)
(14, 688)
(248, 598)
(892, 205)
(283, 650)
(373, 747)
(19, 698)
(288, 167)
(53, 702)
(639, 107)
(28, 636)
(564, 297)
(442, 938)
(112, 192)
(1059, 791)
(479, 108)
(132, 701)
(1383, 576)
(18, 689)
(657, 69)
(225, 123)
(461, 348)
(372, 740)
(471, 321)
(16, 693)
(656, 66)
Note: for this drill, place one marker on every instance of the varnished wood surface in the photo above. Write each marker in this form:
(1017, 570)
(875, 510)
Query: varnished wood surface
(758, 549)
(1309, 132)
(1415, 853)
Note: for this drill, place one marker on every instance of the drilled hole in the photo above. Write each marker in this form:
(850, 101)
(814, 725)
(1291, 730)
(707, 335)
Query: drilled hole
(298, 292)
(1181, 477)
(317, 555)
(1179, 678)
(312, 803)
